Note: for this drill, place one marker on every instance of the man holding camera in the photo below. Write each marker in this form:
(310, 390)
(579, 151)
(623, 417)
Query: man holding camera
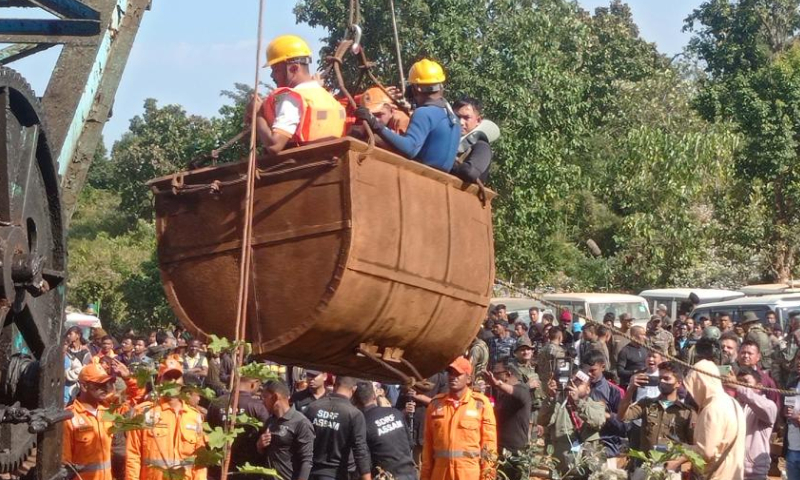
(571, 419)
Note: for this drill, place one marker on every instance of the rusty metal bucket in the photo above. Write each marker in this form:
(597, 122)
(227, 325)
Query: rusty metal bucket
(351, 248)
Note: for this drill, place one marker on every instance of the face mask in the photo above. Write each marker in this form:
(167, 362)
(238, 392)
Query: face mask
(666, 388)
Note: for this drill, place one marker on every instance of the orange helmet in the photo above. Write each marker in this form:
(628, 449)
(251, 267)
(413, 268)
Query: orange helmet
(171, 364)
(374, 99)
(94, 373)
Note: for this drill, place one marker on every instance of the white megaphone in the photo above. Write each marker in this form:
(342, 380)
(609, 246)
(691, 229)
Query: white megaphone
(487, 131)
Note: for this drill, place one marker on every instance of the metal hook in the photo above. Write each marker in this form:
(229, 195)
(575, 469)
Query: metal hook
(356, 47)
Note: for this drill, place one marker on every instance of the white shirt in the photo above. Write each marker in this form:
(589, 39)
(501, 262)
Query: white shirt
(287, 110)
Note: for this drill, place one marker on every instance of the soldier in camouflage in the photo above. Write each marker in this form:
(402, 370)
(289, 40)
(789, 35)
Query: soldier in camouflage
(660, 337)
(525, 370)
(755, 331)
(549, 353)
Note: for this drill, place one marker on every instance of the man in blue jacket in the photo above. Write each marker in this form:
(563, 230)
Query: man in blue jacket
(434, 131)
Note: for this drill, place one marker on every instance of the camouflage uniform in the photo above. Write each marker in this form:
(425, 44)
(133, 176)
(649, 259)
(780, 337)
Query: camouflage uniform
(478, 356)
(663, 340)
(761, 337)
(544, 361)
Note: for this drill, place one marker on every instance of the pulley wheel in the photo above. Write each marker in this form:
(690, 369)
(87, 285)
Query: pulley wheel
(32, 273)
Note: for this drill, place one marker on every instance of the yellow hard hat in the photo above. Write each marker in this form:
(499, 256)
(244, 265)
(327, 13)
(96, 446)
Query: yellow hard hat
(285, 48)
(426, 72)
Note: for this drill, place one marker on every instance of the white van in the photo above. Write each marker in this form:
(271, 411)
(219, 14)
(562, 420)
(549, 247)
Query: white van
(674, 297)
(82, 320)
(595, 305)
(782, 305)
(771, 289)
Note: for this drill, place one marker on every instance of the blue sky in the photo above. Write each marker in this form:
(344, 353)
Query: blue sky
(187, 51)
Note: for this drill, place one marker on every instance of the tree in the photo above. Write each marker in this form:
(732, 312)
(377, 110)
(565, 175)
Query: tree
(113, 256)
(752, 60)
(578, 153)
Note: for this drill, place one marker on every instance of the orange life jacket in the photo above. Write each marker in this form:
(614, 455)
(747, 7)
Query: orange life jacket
(321, 115)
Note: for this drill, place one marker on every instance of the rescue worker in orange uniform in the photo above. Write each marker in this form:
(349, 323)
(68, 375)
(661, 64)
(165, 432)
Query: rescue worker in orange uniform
(173, 435)
(381, 106)
(300, 110)
(87, 441)
(460, 431)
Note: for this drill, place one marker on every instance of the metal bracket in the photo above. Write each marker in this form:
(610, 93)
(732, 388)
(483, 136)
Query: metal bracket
(38, 420)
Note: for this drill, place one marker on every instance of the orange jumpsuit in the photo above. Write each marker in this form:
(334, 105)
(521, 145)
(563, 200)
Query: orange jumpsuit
(170, 440)
(458, 434)
(87, 443)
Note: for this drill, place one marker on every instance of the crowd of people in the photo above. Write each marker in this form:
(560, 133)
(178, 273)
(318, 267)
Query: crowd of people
(581, 389)
(612, 386)
(598, 389)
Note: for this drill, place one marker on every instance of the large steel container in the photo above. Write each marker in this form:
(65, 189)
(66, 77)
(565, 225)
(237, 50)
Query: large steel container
(351, 247)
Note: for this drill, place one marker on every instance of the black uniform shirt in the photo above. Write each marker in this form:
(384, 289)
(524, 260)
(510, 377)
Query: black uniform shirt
(291, 450)
(513, 413)
(387, 439)
(340, 431)
(302, 399)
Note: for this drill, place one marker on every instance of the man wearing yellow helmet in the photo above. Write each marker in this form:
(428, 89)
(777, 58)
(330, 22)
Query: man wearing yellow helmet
(299, 110)
(434, 131)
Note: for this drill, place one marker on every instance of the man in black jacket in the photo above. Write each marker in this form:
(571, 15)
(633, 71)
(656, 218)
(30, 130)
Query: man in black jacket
(340, 446)
(633, 356)
(474, 146)
(387, 436)
(287, 443)
(243, 449)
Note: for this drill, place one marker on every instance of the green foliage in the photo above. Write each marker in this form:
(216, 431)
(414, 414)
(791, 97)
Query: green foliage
(258, 371)
(245, 420)
(218, 437)
(111, 237)
(599, 140)
(653, 461)
(217, 345)
(753, 78)
(248, 469)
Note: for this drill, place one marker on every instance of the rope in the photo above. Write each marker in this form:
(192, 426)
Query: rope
(336, 62)
(354, 14)
(246, 258)
(648, 346)
(400, 68)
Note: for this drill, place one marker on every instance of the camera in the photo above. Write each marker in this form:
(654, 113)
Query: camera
(563, 372)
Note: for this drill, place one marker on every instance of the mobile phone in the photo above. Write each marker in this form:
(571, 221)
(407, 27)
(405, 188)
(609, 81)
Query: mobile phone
(724, 370)
(653, 380)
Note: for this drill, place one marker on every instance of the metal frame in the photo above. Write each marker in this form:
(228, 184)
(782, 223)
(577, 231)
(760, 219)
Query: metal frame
(97, 36)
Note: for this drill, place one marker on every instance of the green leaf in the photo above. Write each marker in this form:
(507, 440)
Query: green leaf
(256, 470)
(244, 419)
(638, 455)
(206, 457)
(259, 371)
(217, 438)
(217, 345)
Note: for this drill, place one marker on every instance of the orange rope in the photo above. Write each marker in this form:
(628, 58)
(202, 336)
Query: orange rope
(245, 266)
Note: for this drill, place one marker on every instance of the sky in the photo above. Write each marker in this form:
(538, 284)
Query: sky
(187, 51)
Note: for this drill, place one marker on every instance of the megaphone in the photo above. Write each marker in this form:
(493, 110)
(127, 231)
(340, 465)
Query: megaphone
(487, 130)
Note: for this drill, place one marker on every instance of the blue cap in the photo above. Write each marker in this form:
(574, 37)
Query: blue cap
(577, 327)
